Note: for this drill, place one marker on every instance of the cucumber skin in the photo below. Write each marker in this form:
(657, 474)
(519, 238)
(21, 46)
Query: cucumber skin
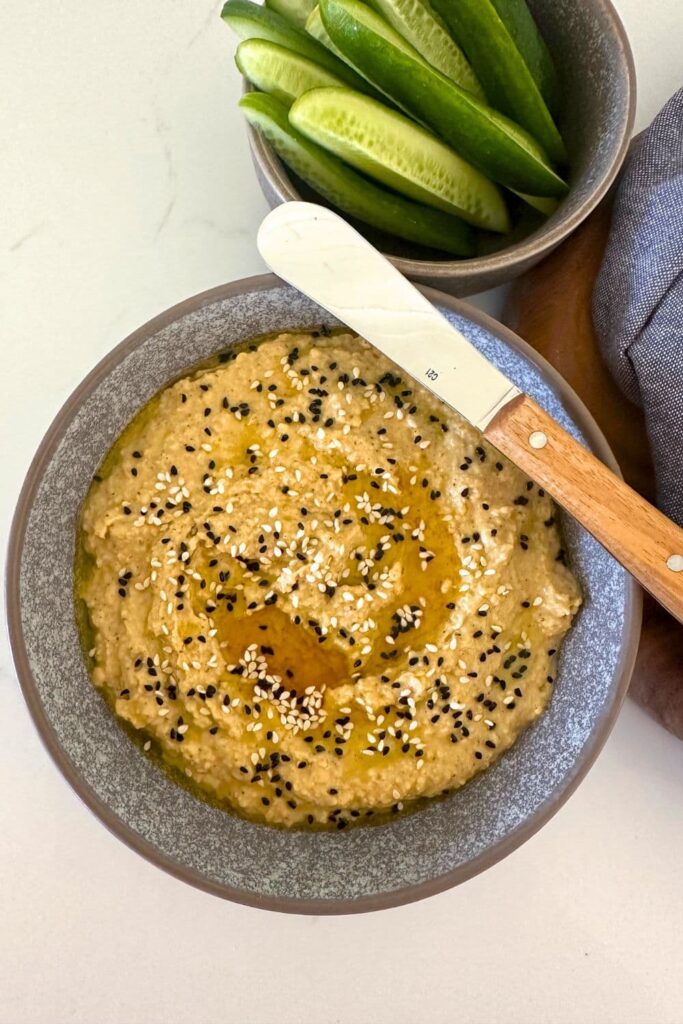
(452, 112)
(317, 31)
(526, 35)
(501, 69)
(319, 77)
(293, 11)
(266, 24)
(348, 191)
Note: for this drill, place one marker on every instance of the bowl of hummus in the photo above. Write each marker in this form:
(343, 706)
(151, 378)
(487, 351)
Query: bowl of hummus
(291, 627)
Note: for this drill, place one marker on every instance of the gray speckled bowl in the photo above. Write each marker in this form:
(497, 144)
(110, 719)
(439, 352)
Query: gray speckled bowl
(368, 868)
(598, 88)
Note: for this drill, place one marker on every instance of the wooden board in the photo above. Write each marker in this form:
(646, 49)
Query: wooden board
(550, 307)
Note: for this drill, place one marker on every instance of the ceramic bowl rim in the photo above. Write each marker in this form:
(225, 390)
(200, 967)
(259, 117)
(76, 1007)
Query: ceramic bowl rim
(471, 272)
(601, 727)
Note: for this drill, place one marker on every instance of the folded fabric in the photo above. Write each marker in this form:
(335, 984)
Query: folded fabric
(638, 296)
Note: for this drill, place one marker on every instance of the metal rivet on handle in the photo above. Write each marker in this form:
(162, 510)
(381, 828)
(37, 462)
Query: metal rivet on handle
(538, 439)
(675, 563)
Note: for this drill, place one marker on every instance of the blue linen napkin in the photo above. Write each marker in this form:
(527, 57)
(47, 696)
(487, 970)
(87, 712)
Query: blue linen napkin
(638, 295)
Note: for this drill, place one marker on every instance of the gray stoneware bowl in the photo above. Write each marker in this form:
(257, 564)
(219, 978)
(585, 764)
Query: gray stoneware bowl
(598, 87)
(367, 868)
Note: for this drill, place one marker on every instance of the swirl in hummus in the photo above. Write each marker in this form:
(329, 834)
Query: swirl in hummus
(319, 592)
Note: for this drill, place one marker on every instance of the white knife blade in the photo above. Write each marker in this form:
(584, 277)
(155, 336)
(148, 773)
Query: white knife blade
(317, 252)
(320, 254)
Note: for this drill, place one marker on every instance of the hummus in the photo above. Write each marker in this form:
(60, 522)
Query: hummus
(318, 592)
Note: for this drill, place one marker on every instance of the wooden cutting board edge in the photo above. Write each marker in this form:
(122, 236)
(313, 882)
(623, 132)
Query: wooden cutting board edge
(550, 307)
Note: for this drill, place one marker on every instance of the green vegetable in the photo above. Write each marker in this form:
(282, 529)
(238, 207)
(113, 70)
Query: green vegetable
(285, 74)
(294, 11)
(501, 68)
(422, 27)
(494, 144)
(525, 221)
(251, 21)
(315, 28)
(519, 22)
(389, 147)
(544, 204)
(349, 191)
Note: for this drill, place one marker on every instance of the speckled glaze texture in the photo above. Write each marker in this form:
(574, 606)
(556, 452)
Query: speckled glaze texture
(598, 95)
(325, 873)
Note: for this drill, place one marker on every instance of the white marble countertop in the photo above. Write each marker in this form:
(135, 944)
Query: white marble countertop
(126, 186)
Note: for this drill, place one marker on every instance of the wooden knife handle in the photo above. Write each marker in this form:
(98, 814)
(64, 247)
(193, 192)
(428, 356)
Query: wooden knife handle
(646, 543)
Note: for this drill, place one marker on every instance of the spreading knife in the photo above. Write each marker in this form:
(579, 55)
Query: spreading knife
(316, 251)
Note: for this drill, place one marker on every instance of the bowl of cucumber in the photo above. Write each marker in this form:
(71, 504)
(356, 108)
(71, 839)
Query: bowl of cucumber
(465, 138)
